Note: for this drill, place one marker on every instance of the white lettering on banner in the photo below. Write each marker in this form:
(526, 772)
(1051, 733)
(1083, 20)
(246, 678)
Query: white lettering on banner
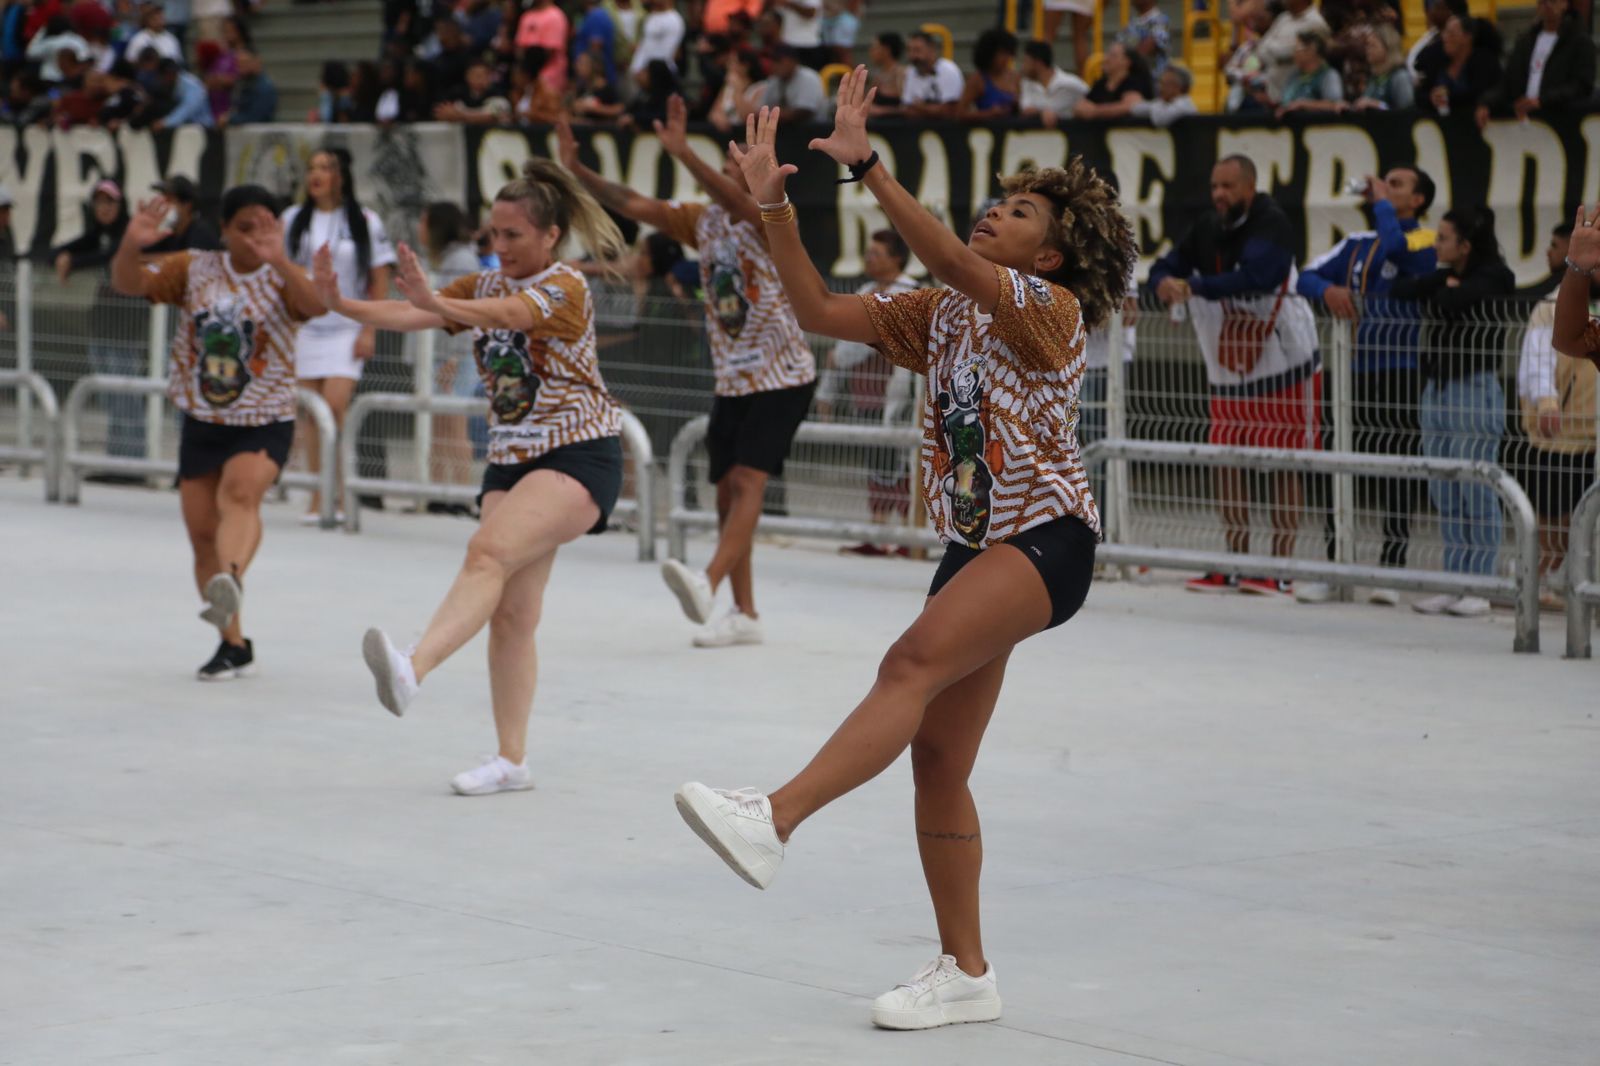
(1272, 151)
(1334, 156)
(1025, 148)
(1130, 149)
(934, 189)
(1434, 161)
(1513, 148)
(860, 216)
(604, 146)
(24, 186)
(83, 155)
(501, 154)
(1586, 193)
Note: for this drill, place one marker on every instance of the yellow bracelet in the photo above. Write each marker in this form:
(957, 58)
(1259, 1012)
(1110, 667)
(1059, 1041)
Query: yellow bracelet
(780, 217)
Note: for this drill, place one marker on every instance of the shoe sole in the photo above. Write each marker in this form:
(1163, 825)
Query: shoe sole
(235, 674)
(676, 575)
(737, 643)
(1384, 601)
(223, 597)
(490, 791)
(706, 823)
(963, 1013)
(375, 651)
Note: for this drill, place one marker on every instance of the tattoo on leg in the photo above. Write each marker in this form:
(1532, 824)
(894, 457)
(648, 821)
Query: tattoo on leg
(964, 837)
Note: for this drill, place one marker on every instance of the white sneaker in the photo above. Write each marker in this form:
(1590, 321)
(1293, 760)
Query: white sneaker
(1312, 592)
(940, 994)
(737, 825)
(391, 669)
(1384, 597)
(1435, 604)
(223, 597)
(497, 774)
(692, 589)
(735, 627)
(1469, 607)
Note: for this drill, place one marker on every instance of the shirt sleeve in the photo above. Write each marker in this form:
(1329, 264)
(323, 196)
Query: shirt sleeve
(463, 288)
(171, 278)
(1040, 321)
(903, 321)
(382, 247)
(681, 222)
(559, 307)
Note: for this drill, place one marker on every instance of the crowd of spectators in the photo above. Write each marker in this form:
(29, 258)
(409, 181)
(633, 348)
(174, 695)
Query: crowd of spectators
(116, 63)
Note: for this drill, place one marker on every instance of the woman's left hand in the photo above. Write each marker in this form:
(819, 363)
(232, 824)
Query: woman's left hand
(412, 280)
(848, 143)
(759, 160)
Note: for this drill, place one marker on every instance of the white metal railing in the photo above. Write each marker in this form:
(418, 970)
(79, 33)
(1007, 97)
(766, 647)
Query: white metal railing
(75, 462)
(48, 454)
(635, 441)
(1522, 586)
(1583, 585)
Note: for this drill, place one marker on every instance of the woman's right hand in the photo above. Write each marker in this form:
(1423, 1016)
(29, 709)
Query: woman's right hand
(759, 160)
(848, 143)
(325, 279)
(145, 227)
(566, 144)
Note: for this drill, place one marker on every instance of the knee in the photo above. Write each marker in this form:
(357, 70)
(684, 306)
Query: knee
(935, 768)
(907, 664)
(485, 554)
(237, 496)
(515, 619)
(743, 482)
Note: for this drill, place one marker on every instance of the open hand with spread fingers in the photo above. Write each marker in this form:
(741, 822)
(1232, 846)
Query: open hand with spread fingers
(759, 158)
(848, 143)
(1584, 250)
(148, 224)
(674, 132)
(412, 280)
(266, 240)
(325, 279)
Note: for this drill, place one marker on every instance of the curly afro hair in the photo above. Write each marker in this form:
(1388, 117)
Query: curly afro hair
(1089, 229)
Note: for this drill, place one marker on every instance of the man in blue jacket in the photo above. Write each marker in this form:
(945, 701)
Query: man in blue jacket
(1353, 281)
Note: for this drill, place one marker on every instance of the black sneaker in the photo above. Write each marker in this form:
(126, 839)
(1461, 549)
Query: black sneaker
(230, 662)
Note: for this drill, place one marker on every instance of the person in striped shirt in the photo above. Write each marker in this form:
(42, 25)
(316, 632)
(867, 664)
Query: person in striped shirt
(233, 377)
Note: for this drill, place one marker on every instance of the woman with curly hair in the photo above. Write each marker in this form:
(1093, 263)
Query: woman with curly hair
(1002, 351)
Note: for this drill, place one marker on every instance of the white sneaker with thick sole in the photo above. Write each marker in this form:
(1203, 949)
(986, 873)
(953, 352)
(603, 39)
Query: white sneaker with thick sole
(692, 589)
(391, 669)
(735, 627)
(1435, 604)
(1384, 597)
(737, 825)
(223, 598)
(1469, 607)
(1312, 592)
(940, 994)
(496, 774)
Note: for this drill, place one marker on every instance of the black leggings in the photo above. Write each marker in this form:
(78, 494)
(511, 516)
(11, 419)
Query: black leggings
(1062, 550)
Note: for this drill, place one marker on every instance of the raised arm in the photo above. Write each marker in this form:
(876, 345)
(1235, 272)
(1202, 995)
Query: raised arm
(612, 195)
(1571, 333)
(724, 190)
(267, 242)
(945, 255)
(128, 275)
(815, 308)
(397, 316)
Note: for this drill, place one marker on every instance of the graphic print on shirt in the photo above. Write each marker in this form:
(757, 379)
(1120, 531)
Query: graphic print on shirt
(513, 388)
(228, 358)
(967, 479)
(732, 288)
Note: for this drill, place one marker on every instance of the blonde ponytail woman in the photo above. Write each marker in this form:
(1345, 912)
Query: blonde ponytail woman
(555, 456)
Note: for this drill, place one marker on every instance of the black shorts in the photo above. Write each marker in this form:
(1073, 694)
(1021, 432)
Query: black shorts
(594, 464)
(1556, 481)
(1062, 550)
(203, 447)
(755, 430)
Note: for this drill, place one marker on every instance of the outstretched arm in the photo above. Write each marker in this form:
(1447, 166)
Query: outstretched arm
(722, 189)
(815, 308)
(945, 255)
(128, 275)
(506, 312)
(612, 195)
(397, 316)
(1572, 325)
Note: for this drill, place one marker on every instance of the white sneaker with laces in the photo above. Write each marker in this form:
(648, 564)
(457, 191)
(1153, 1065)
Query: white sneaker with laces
(691, 587)
(940, 994)
(737, 825)
(223, 598)
(1435, 604)
(391, 669)
(1384, 597)
(496, 774)
(735, 627)
(1312, 592)
(1469, 607)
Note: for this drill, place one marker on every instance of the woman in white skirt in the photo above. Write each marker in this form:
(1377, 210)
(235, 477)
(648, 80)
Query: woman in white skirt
(331, 350)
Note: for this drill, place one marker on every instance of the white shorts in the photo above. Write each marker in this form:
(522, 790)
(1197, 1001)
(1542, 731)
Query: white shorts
(327, 354)
(1077, 7)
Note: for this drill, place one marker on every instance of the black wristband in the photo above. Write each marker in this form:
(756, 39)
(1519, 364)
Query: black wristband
(858, 171)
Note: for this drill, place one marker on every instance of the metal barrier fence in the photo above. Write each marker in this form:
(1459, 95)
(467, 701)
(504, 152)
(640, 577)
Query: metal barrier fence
(76, 461)
(636, 442)
(48, 452)
(1583, 584)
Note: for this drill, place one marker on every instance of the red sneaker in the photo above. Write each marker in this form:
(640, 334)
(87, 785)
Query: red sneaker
(1212, 582)
(1264, 586)
(864, 548)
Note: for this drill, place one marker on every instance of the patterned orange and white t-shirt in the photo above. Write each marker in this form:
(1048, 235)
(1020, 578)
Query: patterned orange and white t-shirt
(544, 386)
(756, 344)
(233, 350)
(1000, 421)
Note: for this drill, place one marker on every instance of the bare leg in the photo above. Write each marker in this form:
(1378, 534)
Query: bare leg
(513, 657)
(745, 489)
(1082, 49)
(244, 482)
(308, 441)
(198, 498)
(338, 392)
(1288, 498)
(1233, 498)
(986, 609)
(544, 511)
(948, 836)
